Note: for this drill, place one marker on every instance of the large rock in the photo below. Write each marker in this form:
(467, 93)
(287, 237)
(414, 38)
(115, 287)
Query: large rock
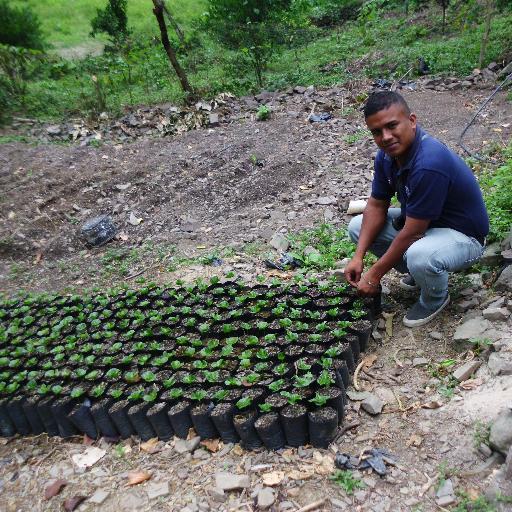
(266, 498)
(372, 404)
(501, 431)
(230, 481)
(504, 282)
(466, 370)
(279, 242)
(495, 314)
(492, 255)
(500, 363)
(473, 328)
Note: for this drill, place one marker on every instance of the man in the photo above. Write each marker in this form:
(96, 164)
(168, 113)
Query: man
(441, 225)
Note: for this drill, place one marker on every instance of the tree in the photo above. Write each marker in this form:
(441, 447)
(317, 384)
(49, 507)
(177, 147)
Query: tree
(112, 21)
(444, 5)
(158, 11)
(252, 27)
(20, 27)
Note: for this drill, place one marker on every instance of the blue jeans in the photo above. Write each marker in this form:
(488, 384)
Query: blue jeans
(429, 259)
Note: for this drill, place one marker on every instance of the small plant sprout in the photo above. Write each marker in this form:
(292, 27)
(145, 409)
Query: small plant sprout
(150, 396)
(265, 407)
(347, 481)
(244, 403)
(319, 400)
(198, 395)
(293, 398)
(324, 379)
(148, 376)
(302, 365)
(77, 392)
(262, 354)
(277, 385)
(221, 395)
(303, 381)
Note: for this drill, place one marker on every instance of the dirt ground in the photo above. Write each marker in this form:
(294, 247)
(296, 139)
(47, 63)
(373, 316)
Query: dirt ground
(224, 192)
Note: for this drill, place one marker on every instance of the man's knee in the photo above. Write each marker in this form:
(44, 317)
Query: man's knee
(421, 258)
(354, 228)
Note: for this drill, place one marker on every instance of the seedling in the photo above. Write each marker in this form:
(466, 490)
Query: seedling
(347, 481)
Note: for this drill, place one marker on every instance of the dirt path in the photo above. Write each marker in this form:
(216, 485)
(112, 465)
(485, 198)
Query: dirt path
(228, 190)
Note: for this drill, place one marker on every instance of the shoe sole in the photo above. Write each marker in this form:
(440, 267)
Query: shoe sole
(423, 321)
(408, 287)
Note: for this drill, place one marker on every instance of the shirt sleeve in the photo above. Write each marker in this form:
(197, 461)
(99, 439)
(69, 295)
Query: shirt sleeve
(426, 195)
(381, 189)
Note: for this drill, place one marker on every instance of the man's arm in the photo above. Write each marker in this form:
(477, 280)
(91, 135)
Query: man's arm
(374, 218)
(413, 230)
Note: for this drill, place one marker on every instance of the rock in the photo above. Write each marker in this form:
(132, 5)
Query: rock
(446, 500)
(213, 119)
(99, 496)
(187, 446)
(229, 481)
(266, 498)
(496, 313)
(436, 335)
(358, 395)
(465, 371)
(132, 500)
(491, 256)
(217, 495)
(189, 224)
(508, 465)
(420, 361)
(279, 242)
(310, 250)
(473, 328)
(299, 89)
(501, 431)
(325, 200)
(506, 70)
(123, 186)
(157, 489)
(372, 404)
(465, 305)
(504, 282)
(446, 489)
(500, 363)
(54, 130)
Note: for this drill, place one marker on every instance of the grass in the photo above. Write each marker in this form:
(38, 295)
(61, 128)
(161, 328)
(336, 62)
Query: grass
(347, 481)
(68, 24)
(481, 433)
(143, 76)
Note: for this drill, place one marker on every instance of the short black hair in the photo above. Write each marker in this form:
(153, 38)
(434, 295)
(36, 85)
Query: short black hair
(382, 100)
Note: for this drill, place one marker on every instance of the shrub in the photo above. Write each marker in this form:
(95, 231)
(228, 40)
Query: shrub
(20, 27)
(112, 20)
(334, 12)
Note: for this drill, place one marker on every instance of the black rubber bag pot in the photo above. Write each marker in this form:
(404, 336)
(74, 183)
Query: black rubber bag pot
(44, 408)
(102, 419)
(353, 340)
(342, 373)
(118, 413)
(7, 428)
(15, 411)
(294, 419)
(244, 425)
(179, 416)
(323, 425)
(61, 409)
(222, 417)
(82, 418)
(137, 414)
(269, 429)
(157, 416)
(362, 329)
(30, 410)
(336, 400)
(203, 424)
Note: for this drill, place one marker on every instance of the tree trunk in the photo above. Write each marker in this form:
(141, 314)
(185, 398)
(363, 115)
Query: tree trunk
(174, 24)
(158, 11)
(485, 37)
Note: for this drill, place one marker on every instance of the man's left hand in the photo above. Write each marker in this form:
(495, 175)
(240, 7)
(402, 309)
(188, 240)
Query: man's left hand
(368, 286)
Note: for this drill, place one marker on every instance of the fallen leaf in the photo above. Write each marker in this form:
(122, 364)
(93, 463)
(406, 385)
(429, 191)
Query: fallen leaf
(212, 445)
(471, 384)
(89, 457)
(123, 236)
(134, 220)
(273, 478)
(137, 477)
(54, 488)
(38, 258)
(369, 360)
(434, 404)
(473, 494)
(301, 474)
(191, 434)
(237, 450)
(151, 446)
(71, 503)
(414, 440)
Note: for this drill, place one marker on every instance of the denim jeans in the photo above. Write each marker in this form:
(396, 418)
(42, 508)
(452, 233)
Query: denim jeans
(429, 259)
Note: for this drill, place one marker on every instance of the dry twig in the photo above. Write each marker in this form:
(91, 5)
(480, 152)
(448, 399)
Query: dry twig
(311, 506)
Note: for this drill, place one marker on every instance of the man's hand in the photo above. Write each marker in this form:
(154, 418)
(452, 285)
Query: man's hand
(368, 285)
(353, 271)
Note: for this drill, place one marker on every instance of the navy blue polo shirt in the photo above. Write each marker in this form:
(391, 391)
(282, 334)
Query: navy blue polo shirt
(435, 184)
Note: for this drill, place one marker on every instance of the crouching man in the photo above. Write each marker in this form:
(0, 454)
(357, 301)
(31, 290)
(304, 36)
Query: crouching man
(441, 225)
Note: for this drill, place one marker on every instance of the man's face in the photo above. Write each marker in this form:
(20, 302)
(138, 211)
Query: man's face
(393, 130)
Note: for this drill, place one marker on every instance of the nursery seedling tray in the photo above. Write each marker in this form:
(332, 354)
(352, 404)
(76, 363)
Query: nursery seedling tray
(266, 364)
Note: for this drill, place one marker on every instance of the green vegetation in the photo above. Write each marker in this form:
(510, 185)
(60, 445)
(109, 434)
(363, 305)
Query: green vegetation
(481, 433)
(497, 187)
(347, 481)
(272, 44)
